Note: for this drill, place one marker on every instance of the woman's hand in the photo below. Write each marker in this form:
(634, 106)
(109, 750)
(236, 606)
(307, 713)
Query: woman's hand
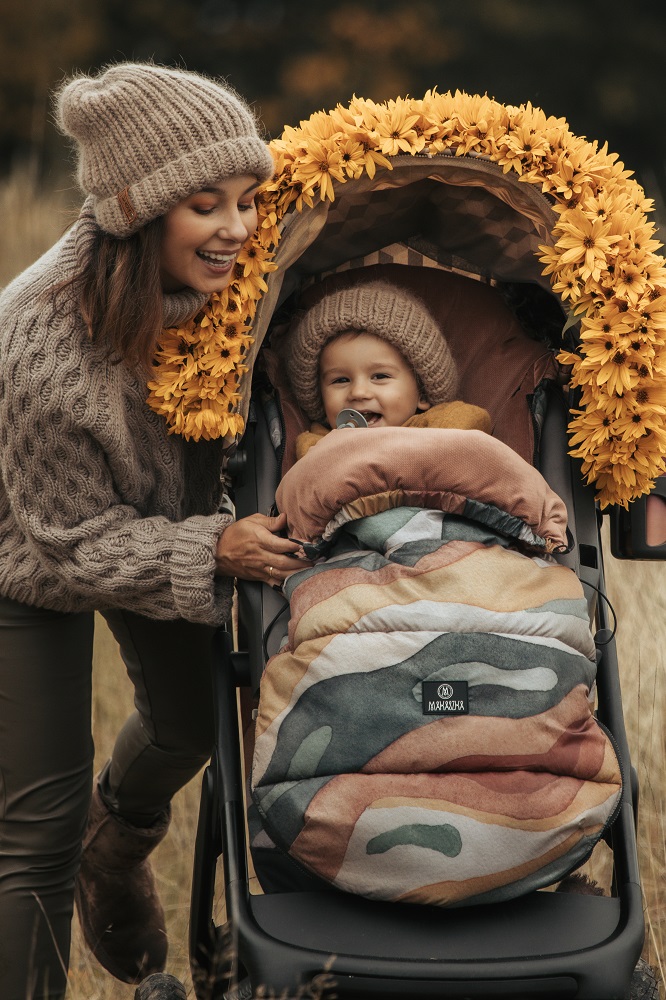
(251, 549)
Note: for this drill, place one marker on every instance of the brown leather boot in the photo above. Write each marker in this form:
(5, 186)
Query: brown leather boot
(119, 910)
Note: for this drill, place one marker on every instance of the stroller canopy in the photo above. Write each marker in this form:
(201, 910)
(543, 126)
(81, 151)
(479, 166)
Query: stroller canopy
(499, 193)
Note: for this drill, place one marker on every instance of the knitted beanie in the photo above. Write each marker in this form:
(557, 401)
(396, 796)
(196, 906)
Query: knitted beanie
(148, 136)
(387, 312)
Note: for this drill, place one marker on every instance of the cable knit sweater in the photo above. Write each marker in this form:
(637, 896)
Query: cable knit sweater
(99, 506)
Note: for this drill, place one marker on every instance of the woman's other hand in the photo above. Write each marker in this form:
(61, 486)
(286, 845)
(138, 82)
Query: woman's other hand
(252, 549)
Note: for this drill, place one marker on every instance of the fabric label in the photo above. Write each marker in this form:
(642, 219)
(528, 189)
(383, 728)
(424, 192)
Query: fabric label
(445, 698)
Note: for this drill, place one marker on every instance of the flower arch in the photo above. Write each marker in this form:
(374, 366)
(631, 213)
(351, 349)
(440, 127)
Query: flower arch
(603, 264)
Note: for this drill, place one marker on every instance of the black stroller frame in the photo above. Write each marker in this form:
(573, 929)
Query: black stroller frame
(296, 943)
(545, 944)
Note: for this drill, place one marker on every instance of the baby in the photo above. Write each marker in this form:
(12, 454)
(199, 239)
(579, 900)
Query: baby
(375, 348)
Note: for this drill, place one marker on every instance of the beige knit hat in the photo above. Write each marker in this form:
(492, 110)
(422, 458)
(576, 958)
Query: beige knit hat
(148, 136)
(384, 310)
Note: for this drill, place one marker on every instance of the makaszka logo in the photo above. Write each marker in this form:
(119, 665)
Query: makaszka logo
(445, 698)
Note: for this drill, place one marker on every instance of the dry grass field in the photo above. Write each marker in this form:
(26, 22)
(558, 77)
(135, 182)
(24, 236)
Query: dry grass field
(31, 222)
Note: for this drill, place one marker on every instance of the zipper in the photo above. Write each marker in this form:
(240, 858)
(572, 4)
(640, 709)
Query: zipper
(624, 778)
(616, 811)
(279, 454)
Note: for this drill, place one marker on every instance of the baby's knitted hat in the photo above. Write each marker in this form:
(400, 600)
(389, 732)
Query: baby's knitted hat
(388, 312)
(148, 136)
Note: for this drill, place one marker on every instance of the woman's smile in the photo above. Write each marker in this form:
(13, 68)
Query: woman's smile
(218, 264)
(218, 260)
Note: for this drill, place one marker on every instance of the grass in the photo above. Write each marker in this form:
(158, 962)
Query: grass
(637, 591)
(32, 221)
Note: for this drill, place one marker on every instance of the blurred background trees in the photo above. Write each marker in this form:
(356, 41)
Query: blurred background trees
(599, 63)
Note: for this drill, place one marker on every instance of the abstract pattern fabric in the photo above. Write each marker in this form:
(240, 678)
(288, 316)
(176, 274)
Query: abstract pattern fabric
(427, 732)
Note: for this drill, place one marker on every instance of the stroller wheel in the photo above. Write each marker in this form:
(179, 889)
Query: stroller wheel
(243, 991)
(644, 985)
(160, 986)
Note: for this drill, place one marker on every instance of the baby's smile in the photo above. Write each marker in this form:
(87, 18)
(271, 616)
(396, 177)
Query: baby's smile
(372, 417)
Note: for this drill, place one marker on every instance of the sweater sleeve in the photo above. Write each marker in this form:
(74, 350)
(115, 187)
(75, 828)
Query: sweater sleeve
(98, 550)
(77, 522)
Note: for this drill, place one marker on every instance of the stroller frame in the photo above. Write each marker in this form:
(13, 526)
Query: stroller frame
(568, 945)
(544, 944)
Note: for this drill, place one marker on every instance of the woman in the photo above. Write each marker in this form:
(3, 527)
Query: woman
(102, 509)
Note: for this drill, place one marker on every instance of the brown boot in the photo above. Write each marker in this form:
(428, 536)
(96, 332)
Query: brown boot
(119, 910)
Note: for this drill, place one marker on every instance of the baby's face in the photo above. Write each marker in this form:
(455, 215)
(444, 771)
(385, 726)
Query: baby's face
(359, 371)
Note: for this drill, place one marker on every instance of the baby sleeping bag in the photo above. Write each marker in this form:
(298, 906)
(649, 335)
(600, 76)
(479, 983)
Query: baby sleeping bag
(427, 732)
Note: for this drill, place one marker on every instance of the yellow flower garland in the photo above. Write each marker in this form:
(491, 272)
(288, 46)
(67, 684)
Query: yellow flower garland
(603, 265)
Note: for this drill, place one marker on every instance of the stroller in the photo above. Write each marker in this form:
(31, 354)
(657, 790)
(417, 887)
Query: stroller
(454, 229)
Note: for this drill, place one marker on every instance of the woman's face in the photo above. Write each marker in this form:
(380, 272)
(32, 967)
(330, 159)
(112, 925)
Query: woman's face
(204, 233)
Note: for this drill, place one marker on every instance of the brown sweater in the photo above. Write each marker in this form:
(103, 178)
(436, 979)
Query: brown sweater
(99, 506)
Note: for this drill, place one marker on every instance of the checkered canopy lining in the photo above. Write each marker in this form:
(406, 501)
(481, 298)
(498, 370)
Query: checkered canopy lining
(415, 252)
(466, 230)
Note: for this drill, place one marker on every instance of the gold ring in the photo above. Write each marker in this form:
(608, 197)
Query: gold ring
(270, 572)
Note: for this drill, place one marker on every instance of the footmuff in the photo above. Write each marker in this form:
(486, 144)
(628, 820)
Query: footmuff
(427, 734)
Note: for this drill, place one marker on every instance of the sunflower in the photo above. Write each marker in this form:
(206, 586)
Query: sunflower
(636, 233)
(568, 284)
(614, 370)
(352, 155)
(255, 261)
(250, 282)
(632, 425)
(395, 128)
(595, 429)
(358, 141)
(630, 281)
(479, 127)
(599, 357)
(520, 146)
(319, 127)
(608, 322)
(586, 242)
(268, 232)
(319, 165)
(650, 318)
(604, 204)
(213, 419)
(566, 181)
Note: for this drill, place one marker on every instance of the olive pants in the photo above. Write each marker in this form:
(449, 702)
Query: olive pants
(46, 762)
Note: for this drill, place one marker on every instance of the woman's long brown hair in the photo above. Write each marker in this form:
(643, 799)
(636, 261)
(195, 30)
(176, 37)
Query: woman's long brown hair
(120, 293)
